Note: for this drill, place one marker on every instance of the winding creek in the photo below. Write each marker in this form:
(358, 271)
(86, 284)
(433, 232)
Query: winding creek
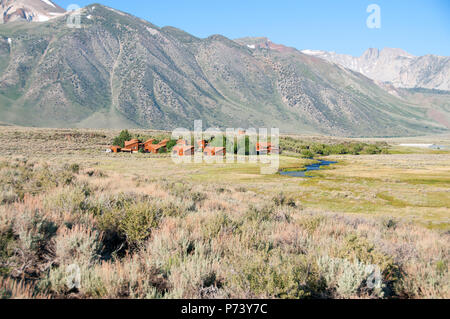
(311, 167)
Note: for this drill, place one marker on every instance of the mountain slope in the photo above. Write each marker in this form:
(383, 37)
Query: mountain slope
(120, 71)
(28, 10)
(396, 67)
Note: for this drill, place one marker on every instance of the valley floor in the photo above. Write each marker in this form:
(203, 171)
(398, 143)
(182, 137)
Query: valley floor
(140, 226)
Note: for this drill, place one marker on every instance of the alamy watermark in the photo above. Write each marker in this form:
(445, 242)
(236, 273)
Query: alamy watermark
(374, 19)
(74, 17)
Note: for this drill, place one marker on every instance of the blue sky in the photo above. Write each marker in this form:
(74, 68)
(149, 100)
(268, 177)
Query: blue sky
(417, 26)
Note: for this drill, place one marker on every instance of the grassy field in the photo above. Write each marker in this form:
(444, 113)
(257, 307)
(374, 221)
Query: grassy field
(140, 226)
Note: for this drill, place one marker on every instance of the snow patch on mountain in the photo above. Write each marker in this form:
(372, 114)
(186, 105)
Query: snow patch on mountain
(49, 3)
(152, 31)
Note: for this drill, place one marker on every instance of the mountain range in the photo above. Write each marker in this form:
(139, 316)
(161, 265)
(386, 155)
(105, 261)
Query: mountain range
(119, 71)
(396, 67)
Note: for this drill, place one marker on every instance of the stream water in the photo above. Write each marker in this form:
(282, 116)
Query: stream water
(312, 167)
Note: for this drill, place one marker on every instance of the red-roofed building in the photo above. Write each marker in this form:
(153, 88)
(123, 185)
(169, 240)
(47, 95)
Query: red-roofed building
(182, 142)
(156, 148)
(266, 148)
(164, 142)
(183, 150)
(148, 144)
(214, 151)
(115, 149)
(202, 144)
(131, 146)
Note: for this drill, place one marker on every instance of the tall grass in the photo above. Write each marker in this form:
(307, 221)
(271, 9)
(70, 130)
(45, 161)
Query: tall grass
(63, 235)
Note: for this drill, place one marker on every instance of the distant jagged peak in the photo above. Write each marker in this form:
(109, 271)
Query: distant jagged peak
(29, 10)
(371, 53)
(396, 52)
(374, 53)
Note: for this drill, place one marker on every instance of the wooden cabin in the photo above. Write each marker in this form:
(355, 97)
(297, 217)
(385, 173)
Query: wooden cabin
(182, 142)
(202, 144)
(220, 151)
(156, 148)
(131, 146)
(164, 142)
(183, 150)
(208, 151)
(176, 150)
(147, 144)
(115, 149)
(188, 150)
(263, 148)
(214, 151)
(266, 148)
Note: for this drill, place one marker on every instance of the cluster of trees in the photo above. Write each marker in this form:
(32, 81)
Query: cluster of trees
(311, 149)
(235, 146)
(121, 138)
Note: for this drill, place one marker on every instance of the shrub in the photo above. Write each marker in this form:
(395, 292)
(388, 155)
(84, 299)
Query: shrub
(310, 223)
(278, 276)
(179, 190)
(261, 214)
(390, 223)
(131, 277)
(78, 245)
(28, 244)
(371, 149)
(77, 250)
(134, 221)
(219, 223)
(283, 200)
(196, 277)
(357, 248)
(349, 278)
(307, 154)
(7, 195)
(174, 208)
(198, 196)
(442, 267)
(7, 243)
(138, 221)
(70, 199)
(75, 168)
(241, 189)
